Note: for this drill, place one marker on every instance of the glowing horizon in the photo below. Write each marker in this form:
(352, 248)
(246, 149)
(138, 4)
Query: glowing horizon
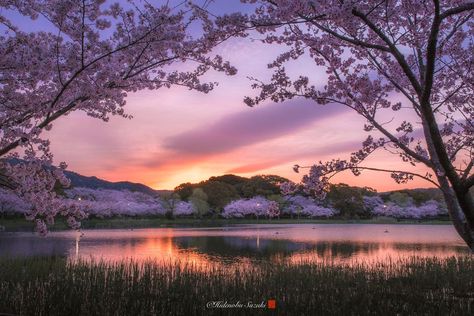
(178, 135)
(190, 137)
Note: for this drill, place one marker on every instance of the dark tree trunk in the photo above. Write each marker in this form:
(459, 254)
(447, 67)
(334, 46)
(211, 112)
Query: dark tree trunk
(457, 213)
(460, 204)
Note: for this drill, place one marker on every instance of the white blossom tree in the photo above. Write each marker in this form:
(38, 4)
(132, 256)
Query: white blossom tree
(427, 209)
(307, 207)
(107, 203)
(184, 208)
(257, 206)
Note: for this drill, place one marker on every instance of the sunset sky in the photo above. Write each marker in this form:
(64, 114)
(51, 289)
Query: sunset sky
(178, 135)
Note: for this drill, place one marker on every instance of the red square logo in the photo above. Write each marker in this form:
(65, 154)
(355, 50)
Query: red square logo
(271, 304)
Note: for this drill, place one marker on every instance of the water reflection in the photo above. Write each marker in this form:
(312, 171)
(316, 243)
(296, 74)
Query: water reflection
(243, 243)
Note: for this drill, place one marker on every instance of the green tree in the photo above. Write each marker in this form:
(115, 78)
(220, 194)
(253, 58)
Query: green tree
(421, 196)
(219, 194)
(231, 179)
(169, 200)
(277, 198)
(401, 199)
(264, 185)
(185, 190)
(236, 181)
(199, 201)
(348, 200)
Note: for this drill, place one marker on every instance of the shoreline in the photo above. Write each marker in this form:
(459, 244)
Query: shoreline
(19, 224)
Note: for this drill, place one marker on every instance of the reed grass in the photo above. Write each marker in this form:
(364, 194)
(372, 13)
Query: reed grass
(414, 286)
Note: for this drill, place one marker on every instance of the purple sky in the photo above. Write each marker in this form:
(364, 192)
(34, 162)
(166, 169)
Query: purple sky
(178, 135)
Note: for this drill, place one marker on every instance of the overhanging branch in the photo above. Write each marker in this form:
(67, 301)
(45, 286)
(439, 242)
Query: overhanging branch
(460, 9)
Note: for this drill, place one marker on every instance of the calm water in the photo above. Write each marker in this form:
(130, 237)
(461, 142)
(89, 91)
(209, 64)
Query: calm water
(243, 243)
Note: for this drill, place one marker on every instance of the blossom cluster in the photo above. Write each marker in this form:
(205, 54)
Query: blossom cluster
(88, 58)
(307, 207)
(10, 203)
(427, 209)
(183, 208)
(257, 206)
(107, 203)
(385, 61)
(262, 207)
(36, 182)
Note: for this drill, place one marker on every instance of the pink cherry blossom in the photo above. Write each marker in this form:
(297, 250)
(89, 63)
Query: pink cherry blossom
(254, 207)
(88, 58)
(380, 58)
(307, 207)
(107, 203)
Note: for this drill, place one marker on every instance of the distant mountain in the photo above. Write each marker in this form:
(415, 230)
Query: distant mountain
(78, 180)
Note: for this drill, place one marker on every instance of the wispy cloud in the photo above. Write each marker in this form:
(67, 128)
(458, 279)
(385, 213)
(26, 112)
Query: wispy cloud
(249, 127)
(297, 157)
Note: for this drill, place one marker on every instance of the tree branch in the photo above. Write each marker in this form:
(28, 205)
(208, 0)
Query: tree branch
(82, 33)
(427, 111)
(390, 136)
(380, 170)
(469, 183)
(389, 78)
(393, 50)
(468, 170)
(6, 182)
(43, 124)
(353, 41)
(397, 171)
(462, 8)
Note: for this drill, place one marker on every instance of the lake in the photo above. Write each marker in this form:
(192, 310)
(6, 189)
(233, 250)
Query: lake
(244, 244)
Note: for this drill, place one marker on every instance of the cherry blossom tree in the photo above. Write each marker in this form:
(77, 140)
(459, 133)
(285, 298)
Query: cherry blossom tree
(404, 66)
(184, 209)
(308, 207)
(88, 57)
(10, 203)
(273, 210)
(428, 209)
(373, 202)
(106, 203)
(257, 206)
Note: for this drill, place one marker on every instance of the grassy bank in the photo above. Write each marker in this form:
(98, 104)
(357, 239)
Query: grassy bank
(20, 224)
(43, 286)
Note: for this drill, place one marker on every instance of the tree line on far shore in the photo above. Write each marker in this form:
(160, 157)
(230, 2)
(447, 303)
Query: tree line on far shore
(219, 195)
(231, 196)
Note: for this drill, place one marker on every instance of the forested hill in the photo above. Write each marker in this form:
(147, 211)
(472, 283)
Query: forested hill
(78, 180)
(229, 187)
(261, 187)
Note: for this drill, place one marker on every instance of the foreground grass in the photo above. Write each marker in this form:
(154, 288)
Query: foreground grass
(53, 286)
(20, 224)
